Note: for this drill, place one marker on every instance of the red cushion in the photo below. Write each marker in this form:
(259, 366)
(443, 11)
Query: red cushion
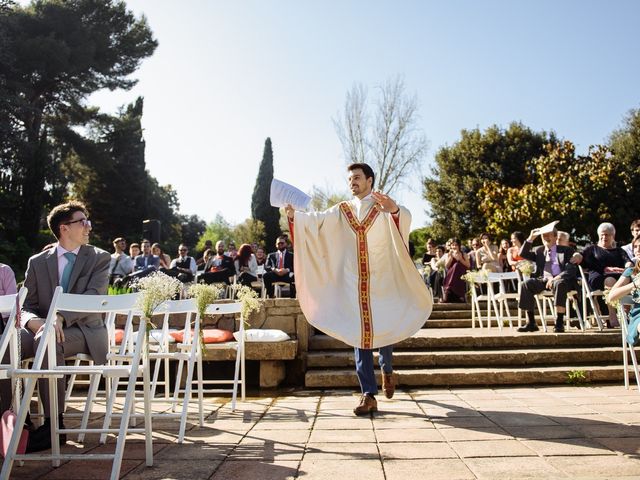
(211, 335)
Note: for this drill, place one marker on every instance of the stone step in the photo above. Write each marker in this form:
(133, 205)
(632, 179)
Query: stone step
(482, 338)
(439, 307)
(443, 377)
(483, 358)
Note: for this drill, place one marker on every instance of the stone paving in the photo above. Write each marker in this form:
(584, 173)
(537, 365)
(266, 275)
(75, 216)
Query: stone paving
(493, 433)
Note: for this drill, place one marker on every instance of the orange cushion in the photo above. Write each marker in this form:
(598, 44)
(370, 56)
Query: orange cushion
(119, 334)
(211, 335)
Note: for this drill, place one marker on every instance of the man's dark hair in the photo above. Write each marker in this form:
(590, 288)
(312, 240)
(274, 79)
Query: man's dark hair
(64, 213)
(635, 224)
(368, 171)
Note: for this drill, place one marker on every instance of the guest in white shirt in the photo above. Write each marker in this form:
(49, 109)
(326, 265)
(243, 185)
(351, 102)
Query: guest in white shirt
(120, 264)
(246, 265)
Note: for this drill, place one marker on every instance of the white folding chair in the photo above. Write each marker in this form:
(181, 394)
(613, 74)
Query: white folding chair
(82, 304)
(504, 295)
(490, 298)
(9, 341)
(591, 297)
(162, 354)
(628, 350)
(192, 346)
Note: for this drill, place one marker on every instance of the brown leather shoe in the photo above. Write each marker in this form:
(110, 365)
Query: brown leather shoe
(388, 385)
(367, 405)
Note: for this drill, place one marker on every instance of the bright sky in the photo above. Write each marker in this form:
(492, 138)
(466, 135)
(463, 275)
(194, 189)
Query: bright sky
(229, 74)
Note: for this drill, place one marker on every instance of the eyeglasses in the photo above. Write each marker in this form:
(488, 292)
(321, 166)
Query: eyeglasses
(182, 250)
(84, 221)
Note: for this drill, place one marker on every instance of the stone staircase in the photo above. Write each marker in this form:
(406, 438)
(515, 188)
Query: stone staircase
(448, 352)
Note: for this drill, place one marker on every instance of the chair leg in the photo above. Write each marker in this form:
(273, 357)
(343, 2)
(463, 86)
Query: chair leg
(176, 390)
(93, 388)
(200, 389)
(148, 426)
(234, 395)
(186, 400)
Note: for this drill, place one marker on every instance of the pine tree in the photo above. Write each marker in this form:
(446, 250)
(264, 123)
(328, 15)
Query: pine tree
(261, 208)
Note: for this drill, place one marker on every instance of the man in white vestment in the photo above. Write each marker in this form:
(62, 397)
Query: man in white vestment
(356, 280)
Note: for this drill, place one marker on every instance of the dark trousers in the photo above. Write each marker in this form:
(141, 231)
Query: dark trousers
(534, 286)
(364, 367)
(215, 277)
(269, 278)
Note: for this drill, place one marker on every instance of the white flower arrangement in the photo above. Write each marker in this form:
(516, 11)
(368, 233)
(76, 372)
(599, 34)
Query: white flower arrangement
(249, 300)
(525, 267)
(155, 289)
(475, 276)
(205, 295)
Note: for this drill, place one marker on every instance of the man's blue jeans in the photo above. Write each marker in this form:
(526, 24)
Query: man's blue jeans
(364, 367)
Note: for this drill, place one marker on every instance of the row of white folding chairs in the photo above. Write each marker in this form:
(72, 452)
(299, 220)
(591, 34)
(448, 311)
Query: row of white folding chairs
(497, 298)
(46, 347)
(498, 301)
(127, 362)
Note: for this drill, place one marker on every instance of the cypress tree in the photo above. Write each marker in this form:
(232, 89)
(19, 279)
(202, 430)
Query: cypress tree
(261, 208)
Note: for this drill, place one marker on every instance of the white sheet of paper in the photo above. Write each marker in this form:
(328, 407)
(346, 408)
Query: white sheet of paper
(548, 227)
(282, 194)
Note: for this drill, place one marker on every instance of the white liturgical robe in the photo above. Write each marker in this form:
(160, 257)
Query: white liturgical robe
(354, 276)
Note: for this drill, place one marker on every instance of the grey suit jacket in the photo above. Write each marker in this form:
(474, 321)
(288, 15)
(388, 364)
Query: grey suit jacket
(90, 276)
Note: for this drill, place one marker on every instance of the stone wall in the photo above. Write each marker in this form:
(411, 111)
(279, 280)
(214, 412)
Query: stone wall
(281, 314)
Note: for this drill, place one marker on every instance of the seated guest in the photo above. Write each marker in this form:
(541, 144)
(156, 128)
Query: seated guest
(146, 260)
(219, 267)
(78, 268)
(475, 246)
(279, 267)
(629, 284)
(635, 231)
(436, 277)
(7, 287)
(232, 251)
(201, 261)
(488, 255)
(457, 263)
(261, 256)
(430, 252)
(605, 261)
(246, 265)
(165, 260)
(121, 264)
(554, 271)
(502, 251)
(183, 267)
(564, 239)
(513, 253)
(134, 251)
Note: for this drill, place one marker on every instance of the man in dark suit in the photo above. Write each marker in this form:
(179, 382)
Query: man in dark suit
(146, 259)
(554, 271)
(220, 267)
(79, 268)
(279, 268)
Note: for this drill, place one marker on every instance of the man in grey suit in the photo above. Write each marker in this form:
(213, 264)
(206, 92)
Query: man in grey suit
(554, 271)
(79, 268)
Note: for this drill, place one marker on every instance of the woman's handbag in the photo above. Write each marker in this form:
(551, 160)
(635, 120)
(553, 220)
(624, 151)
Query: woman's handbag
(9, 417)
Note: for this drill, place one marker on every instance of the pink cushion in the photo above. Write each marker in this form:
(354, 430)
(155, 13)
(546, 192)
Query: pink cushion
(211, 335)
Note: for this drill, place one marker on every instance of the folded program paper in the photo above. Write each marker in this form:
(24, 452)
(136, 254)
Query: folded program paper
(282, 194)
(548, 227)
